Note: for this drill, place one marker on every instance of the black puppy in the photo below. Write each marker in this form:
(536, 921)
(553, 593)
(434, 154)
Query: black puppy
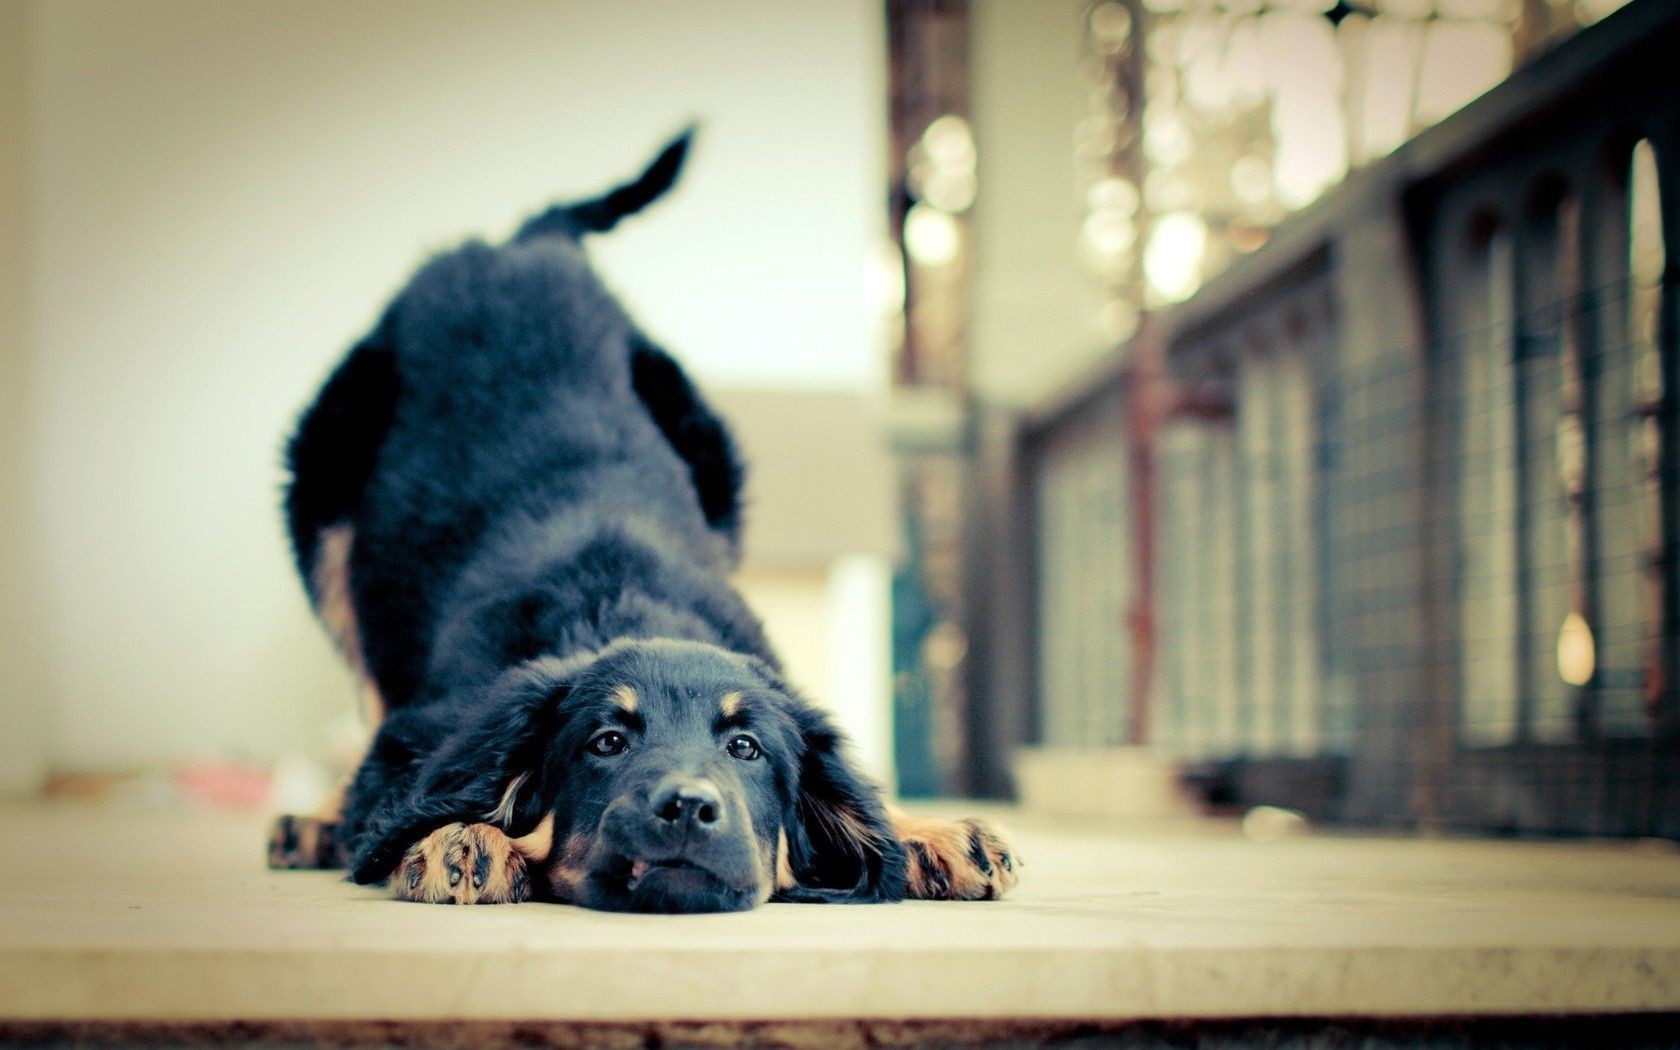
(517, 518)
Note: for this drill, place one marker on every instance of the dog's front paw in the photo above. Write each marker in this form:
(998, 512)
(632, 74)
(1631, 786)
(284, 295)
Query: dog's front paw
(462, 864)
(957, 860)
(303, 842)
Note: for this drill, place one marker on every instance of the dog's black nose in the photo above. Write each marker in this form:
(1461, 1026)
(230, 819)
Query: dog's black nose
(690, 801)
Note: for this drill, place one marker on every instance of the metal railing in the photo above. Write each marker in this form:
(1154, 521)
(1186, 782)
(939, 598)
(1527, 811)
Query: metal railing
(1383, 522)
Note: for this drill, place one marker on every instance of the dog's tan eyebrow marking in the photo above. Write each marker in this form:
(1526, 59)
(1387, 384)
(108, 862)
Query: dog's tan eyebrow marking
(730, 705)
(626, 698)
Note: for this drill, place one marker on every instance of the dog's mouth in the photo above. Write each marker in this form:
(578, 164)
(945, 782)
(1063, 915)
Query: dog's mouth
(637, 867)
(679, 867)
(667, 884)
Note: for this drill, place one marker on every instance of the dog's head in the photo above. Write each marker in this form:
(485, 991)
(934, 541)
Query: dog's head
(668, 777)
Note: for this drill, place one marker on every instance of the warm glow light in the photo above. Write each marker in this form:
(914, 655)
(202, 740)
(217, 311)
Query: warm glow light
(1459, 62)
(942, 165)
(1251, 179)
(950, 143)
(1111, 27)
(931, 236)
(1108, 234)
(1167, 140)
(1113, 194)
(1165, 189)
(886, 280)
(1589, 11)
(1173, 260)
(1577, 657)
(949, 191)
(1646, 255)
(1303, 70)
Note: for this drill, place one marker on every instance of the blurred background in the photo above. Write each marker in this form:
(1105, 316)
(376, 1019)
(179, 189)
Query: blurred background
(1152, 405)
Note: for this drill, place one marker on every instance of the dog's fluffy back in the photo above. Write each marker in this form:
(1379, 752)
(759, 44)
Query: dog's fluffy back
(517, 435)
(503, 414)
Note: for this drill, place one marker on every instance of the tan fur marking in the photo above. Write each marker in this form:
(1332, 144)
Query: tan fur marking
(331, 573)
(331, 576)
(536, 843)
(730, 704)
(944, 862)
(626, 697)
(462, 864)
(849, 824)
(566, 874)
(303, 842)
(784, 864)
(372, 703)
(510, 798)
(770, 861)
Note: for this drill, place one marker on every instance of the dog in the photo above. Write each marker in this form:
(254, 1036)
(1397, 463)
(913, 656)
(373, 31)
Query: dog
(517, 518)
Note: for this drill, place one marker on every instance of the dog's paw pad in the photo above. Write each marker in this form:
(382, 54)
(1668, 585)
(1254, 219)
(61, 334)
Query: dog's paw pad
(462, 864)
(964, 860)
(303, 842)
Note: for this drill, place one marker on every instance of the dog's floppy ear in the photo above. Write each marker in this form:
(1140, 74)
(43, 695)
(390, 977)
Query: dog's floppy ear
(485, 767)
(841, 845)
(600, 214)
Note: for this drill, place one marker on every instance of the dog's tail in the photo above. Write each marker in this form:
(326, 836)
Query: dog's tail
(600, 214)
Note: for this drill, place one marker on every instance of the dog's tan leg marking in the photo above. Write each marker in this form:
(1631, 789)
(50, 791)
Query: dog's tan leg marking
(462, 864)
(535, 845)
(960, 860)
(311, 841)
(333, 604)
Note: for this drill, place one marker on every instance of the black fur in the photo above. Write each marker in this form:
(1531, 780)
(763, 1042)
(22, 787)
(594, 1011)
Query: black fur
(544, 509)
(602, 213)
(695, 432)
(331, 456)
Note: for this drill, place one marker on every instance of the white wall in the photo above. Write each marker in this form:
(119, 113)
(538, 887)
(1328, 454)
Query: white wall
(22, 703)
(223, 194)
(831, 626)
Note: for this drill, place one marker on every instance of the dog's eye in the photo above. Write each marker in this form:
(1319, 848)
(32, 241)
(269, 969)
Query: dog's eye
(744, 748)
(609, 743)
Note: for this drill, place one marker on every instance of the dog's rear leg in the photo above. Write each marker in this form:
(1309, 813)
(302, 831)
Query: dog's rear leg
(303, 842)
(311, 841)
(696, 434)
(330, 458)
(330, 586)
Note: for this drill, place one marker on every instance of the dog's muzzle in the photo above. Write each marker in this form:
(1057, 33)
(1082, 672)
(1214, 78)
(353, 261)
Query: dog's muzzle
(679, 848)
